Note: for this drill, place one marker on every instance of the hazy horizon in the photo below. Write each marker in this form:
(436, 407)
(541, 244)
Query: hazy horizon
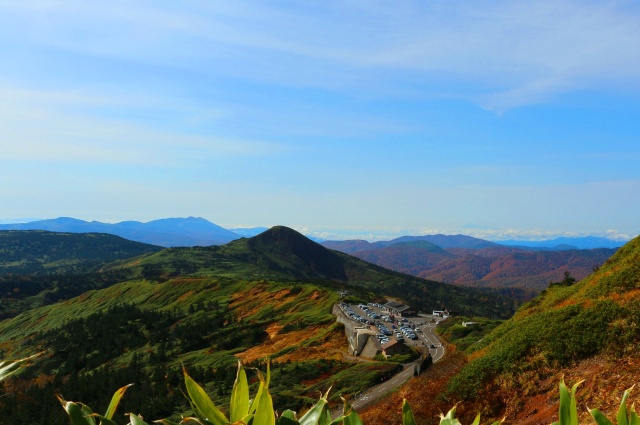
(388, 233)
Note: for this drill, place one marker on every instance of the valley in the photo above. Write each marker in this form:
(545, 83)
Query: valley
(472, 262)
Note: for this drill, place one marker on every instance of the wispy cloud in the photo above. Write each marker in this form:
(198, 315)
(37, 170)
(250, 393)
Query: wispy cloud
(59, 127)
(388, 233)
(500, 54)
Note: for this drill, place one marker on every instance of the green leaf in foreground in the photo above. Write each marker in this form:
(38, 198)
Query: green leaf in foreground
(623, 416)
(407, 414)
(312, 417)
(264, 414)
(205, 408)
(115, 400)
(78, 412)
(288, 417)
(239, 396)
(599, 417)
(9, 367)
(350, 416)
(136, 419)
(450, 418)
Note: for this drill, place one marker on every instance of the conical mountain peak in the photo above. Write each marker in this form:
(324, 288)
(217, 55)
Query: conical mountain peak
(282, 235)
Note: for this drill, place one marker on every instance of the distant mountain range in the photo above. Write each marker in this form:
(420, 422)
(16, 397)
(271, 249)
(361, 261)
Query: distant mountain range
(442, 241)
(167, 232)
(464, 260)
(197, 231)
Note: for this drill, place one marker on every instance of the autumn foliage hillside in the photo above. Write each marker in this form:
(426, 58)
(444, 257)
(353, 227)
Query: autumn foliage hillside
(493, 266)
(586, 330)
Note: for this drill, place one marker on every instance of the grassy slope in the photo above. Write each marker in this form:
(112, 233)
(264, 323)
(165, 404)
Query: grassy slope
(40, 252)
(300, 334)
(565, 329)
(39, 268)
(283, 254)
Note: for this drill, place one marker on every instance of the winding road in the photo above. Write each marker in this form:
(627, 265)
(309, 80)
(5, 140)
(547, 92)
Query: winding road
(426, 338)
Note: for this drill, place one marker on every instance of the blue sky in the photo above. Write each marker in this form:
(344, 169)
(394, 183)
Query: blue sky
(366, 119)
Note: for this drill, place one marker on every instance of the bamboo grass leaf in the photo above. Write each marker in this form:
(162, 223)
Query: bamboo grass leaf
(77, 414)
(633, 416)
(574, 407)
(239, 396)
(261, 388)
(264, 414)
(325, 416)
(313, 415)
(203, 404)
(476, 421)
(623, 416)
(288, 417)
(564, 411)
(9, 367)
(350, 416)
(115, 400)
(600, 418)
(337, 420)
(450, 418)
(407, 414)
(136, 419)
(104, 420)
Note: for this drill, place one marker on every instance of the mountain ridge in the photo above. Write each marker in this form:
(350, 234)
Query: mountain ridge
(167, 232)
(472, 262)
(282, 253)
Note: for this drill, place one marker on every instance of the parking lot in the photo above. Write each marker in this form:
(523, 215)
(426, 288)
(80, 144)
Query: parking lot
(413, 331)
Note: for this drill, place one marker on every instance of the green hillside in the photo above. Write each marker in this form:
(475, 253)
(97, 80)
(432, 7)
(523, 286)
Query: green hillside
(142, 332)
(38, 252)
(39, 268)
(284, 254)
(595, 320)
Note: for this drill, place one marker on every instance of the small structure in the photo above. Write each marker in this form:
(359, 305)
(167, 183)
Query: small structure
(398, 309)
(343, 293)
(363, 342)
(394, 347)
(467, 324)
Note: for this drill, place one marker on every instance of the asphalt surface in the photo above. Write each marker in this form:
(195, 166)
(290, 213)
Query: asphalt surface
(426, 337)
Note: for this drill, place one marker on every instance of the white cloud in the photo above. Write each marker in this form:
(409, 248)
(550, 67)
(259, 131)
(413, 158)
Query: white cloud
(59, 127)
(385, 233)
(500, 54)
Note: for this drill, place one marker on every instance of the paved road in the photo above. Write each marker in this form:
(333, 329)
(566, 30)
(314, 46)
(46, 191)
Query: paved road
(426, 338)
(430, 337)
(369, 396)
